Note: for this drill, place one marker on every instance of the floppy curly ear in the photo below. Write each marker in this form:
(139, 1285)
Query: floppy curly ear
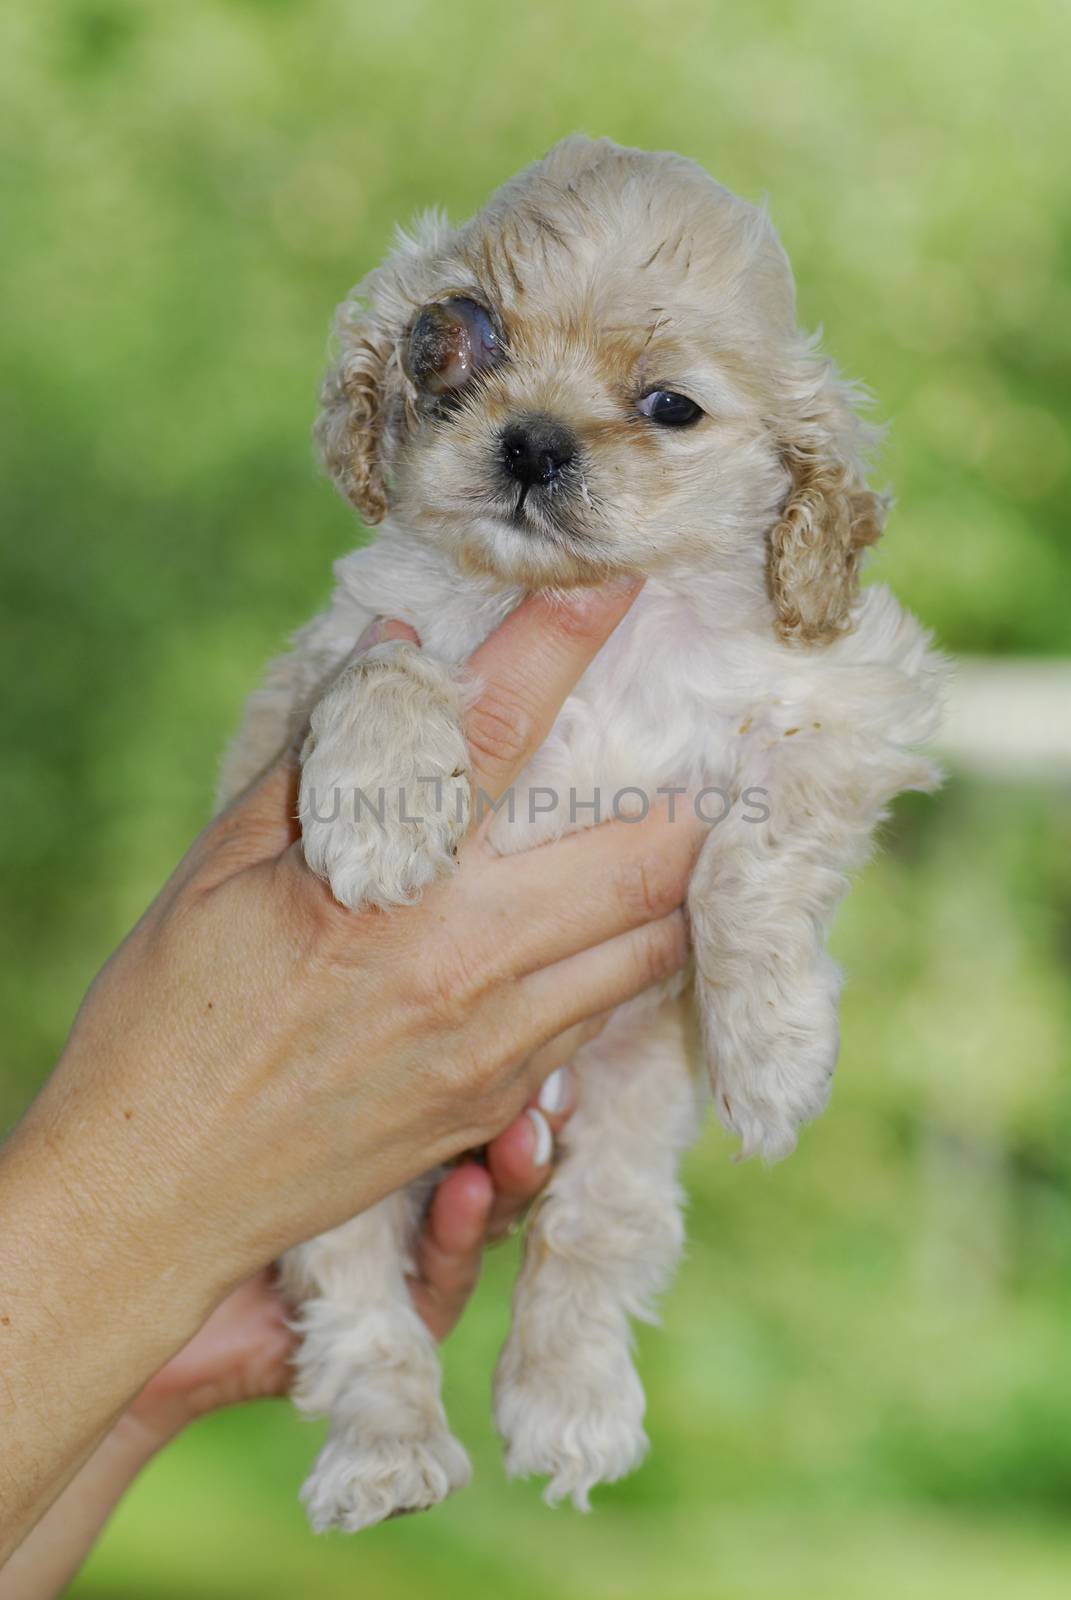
(829, 518)
(352, 423)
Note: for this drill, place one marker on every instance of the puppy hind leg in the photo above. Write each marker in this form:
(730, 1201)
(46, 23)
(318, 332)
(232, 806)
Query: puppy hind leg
(601, 1245)
(368, 1363)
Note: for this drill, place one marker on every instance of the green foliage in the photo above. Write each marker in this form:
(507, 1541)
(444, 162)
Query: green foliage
(861, 1388)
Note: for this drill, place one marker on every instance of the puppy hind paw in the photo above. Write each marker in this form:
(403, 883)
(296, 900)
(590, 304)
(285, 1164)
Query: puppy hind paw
(762, 1127)
(355, 1484)
(766, 1089)
(574, 1442)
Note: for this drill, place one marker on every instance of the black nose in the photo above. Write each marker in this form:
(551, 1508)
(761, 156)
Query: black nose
(535, 449)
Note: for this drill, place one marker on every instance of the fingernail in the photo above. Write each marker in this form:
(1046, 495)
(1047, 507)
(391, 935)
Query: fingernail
(372, 635)
(624, 584)
(630, 583)
(590, 603)
(544, 1139)
(554, 1095)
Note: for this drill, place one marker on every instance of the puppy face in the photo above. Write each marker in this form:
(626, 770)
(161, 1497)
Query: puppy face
(600, 373)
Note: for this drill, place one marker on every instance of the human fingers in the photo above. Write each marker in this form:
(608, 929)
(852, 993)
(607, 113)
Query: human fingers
(543, 905)
(596, 980)
(474, 1205)
(520, 1160)
(526, 669)
(385, 630)
(449, 1250)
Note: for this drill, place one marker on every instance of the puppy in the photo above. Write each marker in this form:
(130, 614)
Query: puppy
(601, 373)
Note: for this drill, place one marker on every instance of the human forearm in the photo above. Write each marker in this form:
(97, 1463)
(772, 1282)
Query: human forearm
(243, 1351)
(54, 1550)
(93, 1299)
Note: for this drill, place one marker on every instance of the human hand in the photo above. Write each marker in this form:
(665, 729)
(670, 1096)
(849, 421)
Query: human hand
(243, 1352)
(258, 1064)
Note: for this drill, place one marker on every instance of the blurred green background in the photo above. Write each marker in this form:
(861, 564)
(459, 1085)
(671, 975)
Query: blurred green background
(863, 1386)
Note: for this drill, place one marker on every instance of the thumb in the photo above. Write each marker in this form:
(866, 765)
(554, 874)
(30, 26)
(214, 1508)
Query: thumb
(262, 821)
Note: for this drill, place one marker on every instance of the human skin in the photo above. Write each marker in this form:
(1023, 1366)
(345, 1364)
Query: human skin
(243, 1351)
(212, 1106)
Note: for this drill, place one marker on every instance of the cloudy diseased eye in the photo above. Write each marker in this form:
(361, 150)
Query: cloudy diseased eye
(669, 409)
(449, 342)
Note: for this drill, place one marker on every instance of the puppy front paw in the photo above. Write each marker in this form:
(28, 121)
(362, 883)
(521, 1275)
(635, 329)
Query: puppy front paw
(577, 1426)
(384, 801)
(358, 1481)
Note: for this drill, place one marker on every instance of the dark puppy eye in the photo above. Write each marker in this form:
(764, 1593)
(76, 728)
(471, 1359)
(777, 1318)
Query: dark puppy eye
(671, 410)
(449, 342)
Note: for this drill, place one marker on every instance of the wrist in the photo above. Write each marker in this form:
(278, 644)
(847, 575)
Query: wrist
(100, 1282)
(139, 1435)
(136, 1439)
(124, 1179)
(156, 1148)
(102, 1235)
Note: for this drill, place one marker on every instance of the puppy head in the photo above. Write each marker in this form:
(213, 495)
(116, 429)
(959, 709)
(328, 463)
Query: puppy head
(601, 372)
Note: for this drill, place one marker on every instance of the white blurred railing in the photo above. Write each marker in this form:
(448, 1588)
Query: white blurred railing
(1009, 718)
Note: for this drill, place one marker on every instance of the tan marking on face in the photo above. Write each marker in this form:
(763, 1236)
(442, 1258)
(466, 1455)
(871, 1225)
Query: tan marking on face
(547, 566)
(550, 229)
(617, 353)
(628, 433)
(481, 258)
(611, 272)
(511, 268)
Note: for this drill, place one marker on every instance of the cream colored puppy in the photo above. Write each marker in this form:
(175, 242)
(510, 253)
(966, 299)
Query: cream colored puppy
(600, 373)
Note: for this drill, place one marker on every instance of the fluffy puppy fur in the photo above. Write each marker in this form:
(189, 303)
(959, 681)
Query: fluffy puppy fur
(537, 333)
